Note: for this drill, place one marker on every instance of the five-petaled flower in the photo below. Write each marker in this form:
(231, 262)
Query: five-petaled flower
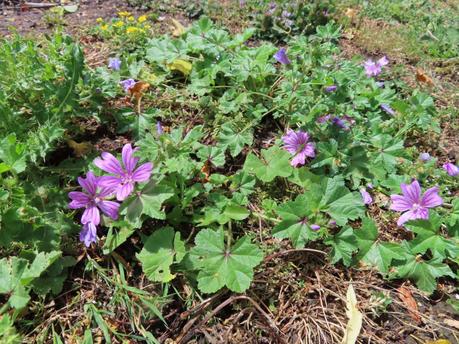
(125, 177)
(281, 56)
(451, 169)
(92, 199)
(296, 143)
(413, 204)
(373, 68)
(128, 84)
(114, 63)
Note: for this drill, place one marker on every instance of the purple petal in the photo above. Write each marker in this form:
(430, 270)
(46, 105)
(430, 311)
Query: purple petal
(79, 199)
(451, 169)
(412, 191)
(89, 183)
(88, 234)
(315, 227)
(281, 56)
(409, 215)
(367, 199)
(109, 164)
(388, 109)
(109, 208)
(383, 61)
(114, 63)
(424, 156)
(124, 191)
(142, 173)
(110, 182)
(91, 214)
(159, 128)
(431, 199)
(309, 150)
(298, 160)
(330, 89)
(400, 203)
(128, 158)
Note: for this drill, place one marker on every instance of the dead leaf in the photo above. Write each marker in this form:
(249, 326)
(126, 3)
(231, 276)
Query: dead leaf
(205, 169)
(182, 66)
(139, 89)
(355, 318)
(351, 13)
(421, 76)
(410, 303)
(177, 28)
(80, 149)
(452, 323)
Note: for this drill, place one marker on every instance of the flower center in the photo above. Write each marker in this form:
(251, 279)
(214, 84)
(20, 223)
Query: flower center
(416, 206)
(127, 180)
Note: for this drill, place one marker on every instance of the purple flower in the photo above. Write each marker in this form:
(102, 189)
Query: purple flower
(424, 156)
(92, 199)
(388, 109)
(272, 9)
(380, 84)
(323, 119)
(451, 169)
(370, 186)
(128, 84)
(125, 178)
(296, 143)
(88, 234)
(367, 199)
(281, 56)
(374, 68)
(286, 14)
(159, 128)
(315, 227)
(331, 88)
(241, 3)
(413, 204)
(340, 123)
(114, 63)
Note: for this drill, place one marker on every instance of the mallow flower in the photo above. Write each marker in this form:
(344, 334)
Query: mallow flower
(331, 88)
(373, 68)
(88, 234)
(367, 199)
(125, 177)
(388, 109)
(114, 63)
(128, 84)
(296, 143)
(424, 156)
(413, 204)
(451, 169)
(281, 56)
(159, 128)
(92, 199)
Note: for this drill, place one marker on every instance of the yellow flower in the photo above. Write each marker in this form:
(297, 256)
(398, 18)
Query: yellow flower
(131, 18)
(104, 27)
(132, 29)
(118, 24)
(142, 19)
(99, 20)
(147, 26)
(124, 14)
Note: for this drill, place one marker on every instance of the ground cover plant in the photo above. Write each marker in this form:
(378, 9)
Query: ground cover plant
(205, 184)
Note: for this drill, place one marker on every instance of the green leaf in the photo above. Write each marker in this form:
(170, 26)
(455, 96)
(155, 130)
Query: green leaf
(12, 154)
(423, 272)
(388, 149)
(159, 252)
(339, 202)
(373, 252)
(149, 202)
(235, 139)
(297, 216)
(221, 266)
(117, 237)
(236, 212)
(274, 162)
(343, 244)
